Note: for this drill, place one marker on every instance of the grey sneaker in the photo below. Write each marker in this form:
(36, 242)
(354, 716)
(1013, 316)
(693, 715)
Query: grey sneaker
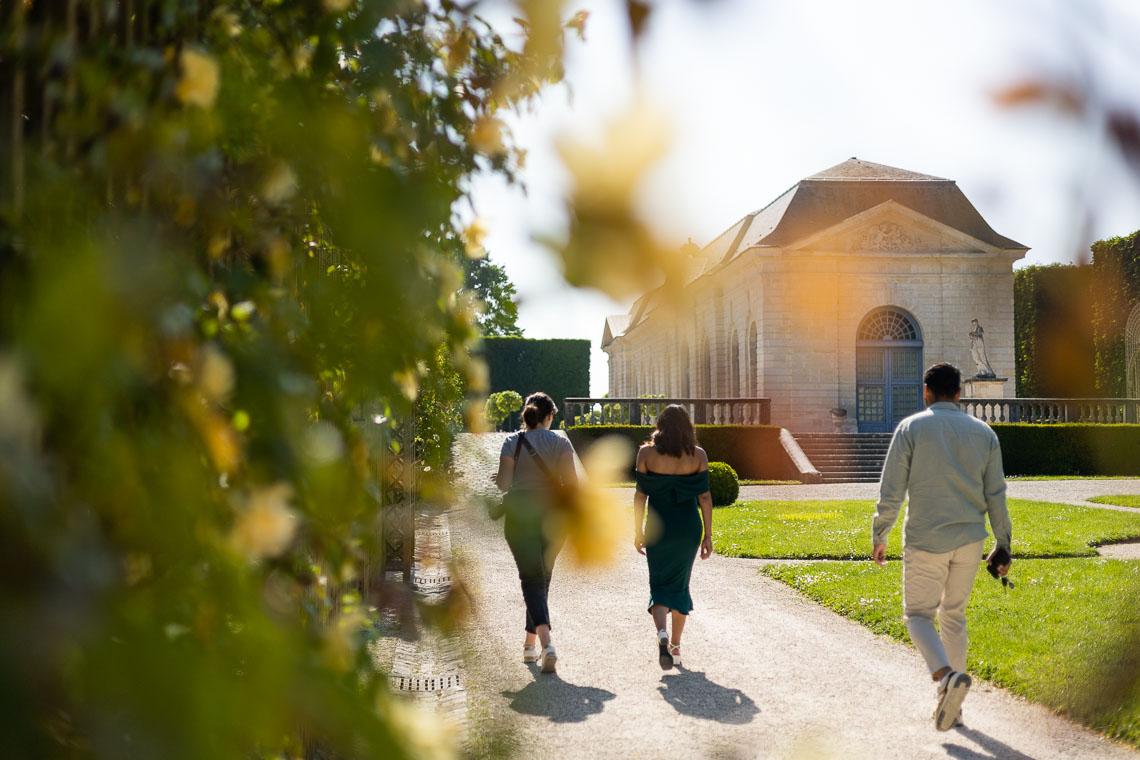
(950, 698)
(549, 659)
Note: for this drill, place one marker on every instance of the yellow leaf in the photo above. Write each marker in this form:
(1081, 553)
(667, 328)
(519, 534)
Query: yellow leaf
(473, 237)
(577, 22)
(487, 136)
(267, 523)
(200, 79)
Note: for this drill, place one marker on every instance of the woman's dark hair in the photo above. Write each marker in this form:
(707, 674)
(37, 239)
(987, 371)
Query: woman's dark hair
(674, 435)
(537, 408)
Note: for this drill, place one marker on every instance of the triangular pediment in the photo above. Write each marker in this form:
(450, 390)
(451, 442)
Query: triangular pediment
(891, 227)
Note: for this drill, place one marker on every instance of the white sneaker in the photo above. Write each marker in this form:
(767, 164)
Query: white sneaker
(664, 659)
(549, 659)
(532, 653)
(675, 653)
(951, 693)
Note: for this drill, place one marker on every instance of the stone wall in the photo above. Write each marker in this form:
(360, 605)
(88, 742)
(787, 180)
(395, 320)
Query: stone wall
(806, 305)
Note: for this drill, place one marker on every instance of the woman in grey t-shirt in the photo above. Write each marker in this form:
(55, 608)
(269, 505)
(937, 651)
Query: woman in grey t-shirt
(533, 464)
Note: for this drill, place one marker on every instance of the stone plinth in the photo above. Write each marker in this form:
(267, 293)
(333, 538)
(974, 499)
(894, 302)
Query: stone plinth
(984, 387)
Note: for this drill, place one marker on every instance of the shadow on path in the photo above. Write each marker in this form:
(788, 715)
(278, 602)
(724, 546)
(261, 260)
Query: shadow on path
(691, 693)
(559, 701)
(994, 750)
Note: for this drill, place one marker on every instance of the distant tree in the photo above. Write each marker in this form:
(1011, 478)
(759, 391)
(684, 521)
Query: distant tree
(491, 285)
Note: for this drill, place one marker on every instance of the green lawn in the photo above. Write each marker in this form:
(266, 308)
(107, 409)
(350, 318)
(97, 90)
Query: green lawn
(1122, 500)
(842, 529)
(1068, 635)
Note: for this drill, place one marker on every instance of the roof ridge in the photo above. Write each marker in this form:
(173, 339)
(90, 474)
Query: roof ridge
(857, 170)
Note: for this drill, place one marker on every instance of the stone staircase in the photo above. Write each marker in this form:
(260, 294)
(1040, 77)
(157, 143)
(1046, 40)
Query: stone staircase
(846, 457)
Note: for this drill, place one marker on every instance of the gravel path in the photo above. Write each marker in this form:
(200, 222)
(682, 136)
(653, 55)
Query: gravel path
(768, 673)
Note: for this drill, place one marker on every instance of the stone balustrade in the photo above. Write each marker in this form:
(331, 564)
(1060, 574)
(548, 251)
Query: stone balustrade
(1053, 410)
(644, 411)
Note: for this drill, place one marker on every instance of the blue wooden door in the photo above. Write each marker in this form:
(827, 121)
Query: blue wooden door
(888, 386)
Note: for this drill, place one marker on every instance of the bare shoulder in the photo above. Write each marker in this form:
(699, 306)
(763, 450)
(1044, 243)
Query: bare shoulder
(644, 453)
(702, 457)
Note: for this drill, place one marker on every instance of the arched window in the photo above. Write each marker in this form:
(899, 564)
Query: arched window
(1132, 353)
(753, 362)
(887, 324)
(705, 367)
(718, 384)
(685, 384)
(734, 351)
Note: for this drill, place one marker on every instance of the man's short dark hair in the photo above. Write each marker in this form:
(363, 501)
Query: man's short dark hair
(944, 380)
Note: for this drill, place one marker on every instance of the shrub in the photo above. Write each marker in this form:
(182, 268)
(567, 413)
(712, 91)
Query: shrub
(723, 484)
(500, 406)
(1070, 449)
(754, 451)
(558, 367)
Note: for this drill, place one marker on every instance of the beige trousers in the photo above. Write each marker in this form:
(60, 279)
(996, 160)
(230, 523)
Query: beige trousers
(938, 586)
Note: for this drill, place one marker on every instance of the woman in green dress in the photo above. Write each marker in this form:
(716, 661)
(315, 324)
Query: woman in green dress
(673, 477)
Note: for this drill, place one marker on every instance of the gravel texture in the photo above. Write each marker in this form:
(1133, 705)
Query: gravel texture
(767, 673)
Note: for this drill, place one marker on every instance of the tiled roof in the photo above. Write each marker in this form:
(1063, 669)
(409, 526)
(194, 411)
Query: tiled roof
(824, 200)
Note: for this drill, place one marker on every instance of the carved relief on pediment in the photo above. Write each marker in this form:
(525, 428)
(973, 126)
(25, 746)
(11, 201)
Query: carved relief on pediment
(888, 236)
(884, 236)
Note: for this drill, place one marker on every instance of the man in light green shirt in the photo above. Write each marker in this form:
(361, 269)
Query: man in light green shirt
(949, 464)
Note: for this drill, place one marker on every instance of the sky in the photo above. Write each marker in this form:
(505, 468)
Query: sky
(757, 94)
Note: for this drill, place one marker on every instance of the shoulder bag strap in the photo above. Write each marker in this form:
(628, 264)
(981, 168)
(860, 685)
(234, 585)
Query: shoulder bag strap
(541, 464)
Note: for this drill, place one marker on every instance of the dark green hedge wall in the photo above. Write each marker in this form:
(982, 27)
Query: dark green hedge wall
(754, 451)
(1069, 322)
(559, 367)
(1070, 449)
(1117, 265)
(1052, 325)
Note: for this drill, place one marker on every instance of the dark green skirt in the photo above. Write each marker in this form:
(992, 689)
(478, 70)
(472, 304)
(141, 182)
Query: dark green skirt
(674, 508)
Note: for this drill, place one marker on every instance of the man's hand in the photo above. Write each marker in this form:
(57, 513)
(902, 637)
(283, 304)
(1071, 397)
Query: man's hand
(1000, 555)
(879, 554)
(706, 547)
(639, 542)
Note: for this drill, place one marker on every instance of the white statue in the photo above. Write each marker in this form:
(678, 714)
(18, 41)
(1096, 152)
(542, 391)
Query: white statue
(978, 351)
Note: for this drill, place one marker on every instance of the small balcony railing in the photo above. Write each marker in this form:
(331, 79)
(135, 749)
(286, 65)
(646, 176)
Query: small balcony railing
(1053, 410)
(644, 411)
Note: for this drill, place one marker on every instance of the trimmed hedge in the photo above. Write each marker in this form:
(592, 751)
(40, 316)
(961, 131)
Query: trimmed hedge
(1069, 449)
(724, 485)
(754, 451)
(1069, 322)
(559, 367)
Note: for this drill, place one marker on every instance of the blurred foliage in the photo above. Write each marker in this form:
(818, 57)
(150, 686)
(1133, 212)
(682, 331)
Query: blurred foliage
(227, 245)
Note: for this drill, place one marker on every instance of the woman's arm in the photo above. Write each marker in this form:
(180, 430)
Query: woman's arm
(705, 500)
(639, 499)
(506, 474)
(566, 469)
